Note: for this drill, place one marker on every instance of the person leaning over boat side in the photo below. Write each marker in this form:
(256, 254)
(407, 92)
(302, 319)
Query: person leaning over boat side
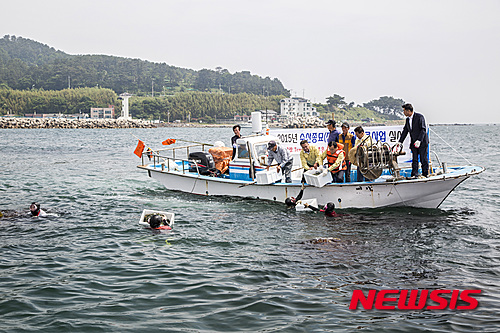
(361, 138)
(419, 141)
(348, 140)
(334, 134)
(282, 157)
(36, 211)
(309, 156)
(237, 135)
(335, 157)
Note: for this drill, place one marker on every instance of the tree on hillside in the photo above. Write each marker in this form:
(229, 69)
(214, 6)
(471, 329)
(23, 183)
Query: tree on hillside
(387, 105)
(336, 102)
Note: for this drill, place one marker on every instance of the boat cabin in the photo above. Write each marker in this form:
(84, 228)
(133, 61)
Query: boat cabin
(250, 150)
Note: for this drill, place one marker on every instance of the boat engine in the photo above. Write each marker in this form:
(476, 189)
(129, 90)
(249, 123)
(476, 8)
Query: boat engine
(372, 159)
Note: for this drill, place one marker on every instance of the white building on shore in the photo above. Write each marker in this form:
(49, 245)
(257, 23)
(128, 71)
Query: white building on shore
(297, 107)
(103, 113)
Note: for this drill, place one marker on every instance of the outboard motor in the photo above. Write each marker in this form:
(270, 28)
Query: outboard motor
(203, 159)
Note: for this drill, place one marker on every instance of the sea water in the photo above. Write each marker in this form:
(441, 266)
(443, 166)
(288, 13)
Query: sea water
(230, 264)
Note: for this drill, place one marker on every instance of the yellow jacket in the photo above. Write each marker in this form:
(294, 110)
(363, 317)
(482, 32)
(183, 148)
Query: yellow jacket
(367, 141)
(311, 157)
(347, 142)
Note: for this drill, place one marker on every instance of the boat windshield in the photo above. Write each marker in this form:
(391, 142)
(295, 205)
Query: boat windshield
(261, 150)
(242, 151)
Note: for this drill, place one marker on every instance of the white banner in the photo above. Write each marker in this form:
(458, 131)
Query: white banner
(290, 138)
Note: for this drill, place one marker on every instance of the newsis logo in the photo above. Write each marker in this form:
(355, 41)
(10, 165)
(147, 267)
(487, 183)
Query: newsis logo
(414, 299)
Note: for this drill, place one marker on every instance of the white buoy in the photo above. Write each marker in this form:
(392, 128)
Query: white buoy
(256, 122)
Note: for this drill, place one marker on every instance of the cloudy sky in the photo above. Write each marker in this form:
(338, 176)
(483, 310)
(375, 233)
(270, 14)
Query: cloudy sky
(443, 56)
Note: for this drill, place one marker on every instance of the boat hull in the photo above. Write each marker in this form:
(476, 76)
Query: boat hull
(422, 193)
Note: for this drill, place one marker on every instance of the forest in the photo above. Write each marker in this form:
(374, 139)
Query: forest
(27, 64)
(194, 106)
(36, 78)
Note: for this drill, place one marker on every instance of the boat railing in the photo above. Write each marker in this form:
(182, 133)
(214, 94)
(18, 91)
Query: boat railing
(160, 158)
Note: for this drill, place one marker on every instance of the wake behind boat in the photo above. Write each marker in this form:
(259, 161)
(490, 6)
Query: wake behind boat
(388, 185)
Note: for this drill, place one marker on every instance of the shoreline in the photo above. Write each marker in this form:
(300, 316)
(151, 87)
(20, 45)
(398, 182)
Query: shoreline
(63, 123)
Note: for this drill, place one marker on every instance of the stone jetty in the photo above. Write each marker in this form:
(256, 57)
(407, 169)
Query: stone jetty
(8, 122)
(304, 122)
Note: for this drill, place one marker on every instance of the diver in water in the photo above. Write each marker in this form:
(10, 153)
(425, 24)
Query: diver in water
(293, 201)
(36, 211)
(321, 240)
(328, 209)
(159, 222)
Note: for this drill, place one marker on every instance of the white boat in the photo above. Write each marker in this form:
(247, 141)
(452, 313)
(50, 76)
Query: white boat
(390, 188)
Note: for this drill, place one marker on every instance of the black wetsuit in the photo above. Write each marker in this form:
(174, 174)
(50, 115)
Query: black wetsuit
(327, 213)
(299, 196)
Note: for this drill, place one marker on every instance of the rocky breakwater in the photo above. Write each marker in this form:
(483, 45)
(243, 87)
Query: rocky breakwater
(304, 122)
(72, 123)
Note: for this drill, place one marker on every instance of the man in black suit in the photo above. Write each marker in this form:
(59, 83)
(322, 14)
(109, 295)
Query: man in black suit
(419, 141)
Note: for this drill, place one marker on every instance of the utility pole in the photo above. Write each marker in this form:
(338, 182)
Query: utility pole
(152, 84)
(69, 82)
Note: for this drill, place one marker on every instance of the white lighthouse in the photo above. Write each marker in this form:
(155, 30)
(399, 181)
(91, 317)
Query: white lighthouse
(124, 97)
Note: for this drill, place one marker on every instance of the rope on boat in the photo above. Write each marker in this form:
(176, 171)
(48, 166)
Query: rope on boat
(451, 146)
(399, 195)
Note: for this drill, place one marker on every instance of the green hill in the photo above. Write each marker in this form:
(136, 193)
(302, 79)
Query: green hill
(27, 64)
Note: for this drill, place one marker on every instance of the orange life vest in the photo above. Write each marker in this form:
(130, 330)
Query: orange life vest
(332, 158)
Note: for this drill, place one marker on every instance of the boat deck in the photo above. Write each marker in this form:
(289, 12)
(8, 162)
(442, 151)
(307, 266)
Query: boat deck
(453, 171)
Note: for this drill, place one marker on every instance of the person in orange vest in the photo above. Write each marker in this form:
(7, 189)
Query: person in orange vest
(348, 140)
(335, 157)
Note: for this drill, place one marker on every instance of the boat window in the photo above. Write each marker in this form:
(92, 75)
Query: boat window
(261, 150)
(242, 151)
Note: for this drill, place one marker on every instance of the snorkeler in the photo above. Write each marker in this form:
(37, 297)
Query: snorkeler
(36, 211)
(159, 222)
(293, 201)
(328, 209)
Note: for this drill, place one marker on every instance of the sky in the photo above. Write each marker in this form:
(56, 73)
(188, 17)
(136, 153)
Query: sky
(443, 56)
